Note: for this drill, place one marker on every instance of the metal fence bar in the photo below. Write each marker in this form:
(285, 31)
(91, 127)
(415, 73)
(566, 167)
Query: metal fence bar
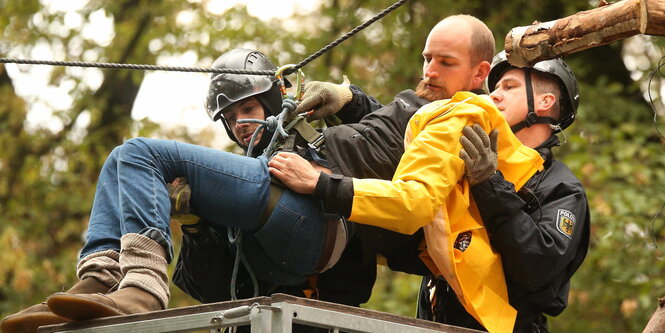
(346, 322)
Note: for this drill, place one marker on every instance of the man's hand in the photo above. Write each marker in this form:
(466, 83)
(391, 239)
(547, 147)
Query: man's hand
(294, 172)
(324, 98)
(479, 153)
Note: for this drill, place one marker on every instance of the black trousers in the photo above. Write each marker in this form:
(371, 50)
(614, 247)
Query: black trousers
(447, 309)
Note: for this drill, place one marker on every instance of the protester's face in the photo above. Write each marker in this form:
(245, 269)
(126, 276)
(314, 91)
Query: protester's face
(510, 96)
(249, 108)
(447, 66)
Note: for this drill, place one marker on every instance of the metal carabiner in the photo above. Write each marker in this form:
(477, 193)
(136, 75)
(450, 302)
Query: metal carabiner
(300, 81)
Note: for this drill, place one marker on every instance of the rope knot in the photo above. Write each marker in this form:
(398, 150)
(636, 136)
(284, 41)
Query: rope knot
(289, 104)
(271, 123)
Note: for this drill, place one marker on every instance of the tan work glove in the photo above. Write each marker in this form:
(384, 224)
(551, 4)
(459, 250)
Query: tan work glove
(180, 193)
(323, 99)
(479, 153)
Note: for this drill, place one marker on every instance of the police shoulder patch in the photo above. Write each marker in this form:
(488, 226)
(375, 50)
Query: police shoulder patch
(565, 222)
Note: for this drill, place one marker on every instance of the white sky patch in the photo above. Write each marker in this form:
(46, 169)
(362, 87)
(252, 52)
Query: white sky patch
(265, 9)
(64, 6)
(185, 17)
(173, 99)
(100, 30)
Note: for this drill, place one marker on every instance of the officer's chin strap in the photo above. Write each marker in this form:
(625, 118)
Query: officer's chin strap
(531, 117)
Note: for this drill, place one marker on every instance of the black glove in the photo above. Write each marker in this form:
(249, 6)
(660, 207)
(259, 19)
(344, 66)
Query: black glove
(479, 153)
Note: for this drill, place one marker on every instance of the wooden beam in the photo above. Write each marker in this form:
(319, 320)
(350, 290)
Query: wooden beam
(603, 25)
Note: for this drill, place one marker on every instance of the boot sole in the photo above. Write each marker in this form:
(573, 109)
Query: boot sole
(77, 308)
(30, 322)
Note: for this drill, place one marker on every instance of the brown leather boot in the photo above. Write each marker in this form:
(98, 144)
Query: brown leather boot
(89, 306)
(28, 320)
(144, 286)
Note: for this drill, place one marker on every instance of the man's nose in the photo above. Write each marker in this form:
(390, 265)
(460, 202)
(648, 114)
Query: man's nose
(496, 96)
(240, 125)
(431, 71)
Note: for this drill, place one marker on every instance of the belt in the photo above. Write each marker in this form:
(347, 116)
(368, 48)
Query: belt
(334, 244)
(329, 244)
(275, 193)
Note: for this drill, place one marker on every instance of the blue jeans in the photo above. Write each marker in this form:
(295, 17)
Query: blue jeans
(228, 190)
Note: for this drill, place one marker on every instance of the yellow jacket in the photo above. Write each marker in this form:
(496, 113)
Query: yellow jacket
(428, 191)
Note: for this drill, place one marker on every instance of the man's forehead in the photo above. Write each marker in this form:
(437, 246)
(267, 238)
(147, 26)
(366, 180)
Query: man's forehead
(451, 43)
(513, 74)
(241, 103)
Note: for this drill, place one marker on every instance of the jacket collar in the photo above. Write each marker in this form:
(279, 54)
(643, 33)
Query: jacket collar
(545, 149)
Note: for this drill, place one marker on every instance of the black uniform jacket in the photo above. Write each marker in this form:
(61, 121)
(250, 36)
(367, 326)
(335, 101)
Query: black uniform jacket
(542, 233)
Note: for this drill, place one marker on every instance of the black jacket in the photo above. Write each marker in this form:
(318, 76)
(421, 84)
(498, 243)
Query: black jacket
(542, 233)
(372, 147)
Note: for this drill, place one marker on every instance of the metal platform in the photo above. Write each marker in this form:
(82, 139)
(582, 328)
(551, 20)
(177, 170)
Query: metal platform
(275, 314)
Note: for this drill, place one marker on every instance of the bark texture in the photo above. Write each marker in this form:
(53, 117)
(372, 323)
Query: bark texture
(527, 45)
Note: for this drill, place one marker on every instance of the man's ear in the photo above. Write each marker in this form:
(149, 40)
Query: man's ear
(544, 103)
(482, 72)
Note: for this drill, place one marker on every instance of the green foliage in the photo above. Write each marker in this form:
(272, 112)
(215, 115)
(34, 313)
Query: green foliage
(49, 176)
(394, 292)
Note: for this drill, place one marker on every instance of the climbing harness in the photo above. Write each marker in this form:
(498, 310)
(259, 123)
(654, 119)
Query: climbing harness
(294, 121)
(280, 140)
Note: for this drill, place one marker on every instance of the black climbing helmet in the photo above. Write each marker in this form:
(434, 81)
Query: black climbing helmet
(554, 68)
(226, 89)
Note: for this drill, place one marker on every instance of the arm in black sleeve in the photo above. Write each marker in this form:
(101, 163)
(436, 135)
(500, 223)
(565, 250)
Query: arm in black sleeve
(360, 105)
(536, 248)
(336, 193)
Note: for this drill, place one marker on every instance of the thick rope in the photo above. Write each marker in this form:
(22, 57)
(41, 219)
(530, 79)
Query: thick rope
(207, 70)
(135, 66)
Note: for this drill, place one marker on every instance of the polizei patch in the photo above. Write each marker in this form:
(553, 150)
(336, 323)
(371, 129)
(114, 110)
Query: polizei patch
(565, 222)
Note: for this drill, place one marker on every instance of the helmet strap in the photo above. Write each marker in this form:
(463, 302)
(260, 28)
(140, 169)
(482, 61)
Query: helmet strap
(228, 131)
(531, 117)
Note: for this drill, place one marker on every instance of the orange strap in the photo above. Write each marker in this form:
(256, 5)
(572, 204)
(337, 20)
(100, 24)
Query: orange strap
(313, 291)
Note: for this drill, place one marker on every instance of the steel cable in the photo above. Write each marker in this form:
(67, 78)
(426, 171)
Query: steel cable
(201, 69)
